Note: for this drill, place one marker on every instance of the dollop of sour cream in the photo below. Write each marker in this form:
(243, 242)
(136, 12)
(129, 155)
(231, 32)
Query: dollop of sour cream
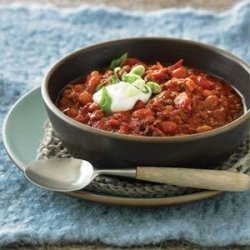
(121, 101)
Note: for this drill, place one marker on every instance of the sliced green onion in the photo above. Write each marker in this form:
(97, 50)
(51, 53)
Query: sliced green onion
(120, 71)
(114, 79)
(155, 87)
(138, 70)
(132, 91)
(130, 77)
(146, 89)
(105, 102)
(116, 70)
(118, 61)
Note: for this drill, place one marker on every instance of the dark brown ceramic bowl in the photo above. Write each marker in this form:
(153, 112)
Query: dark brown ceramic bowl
(108, 149)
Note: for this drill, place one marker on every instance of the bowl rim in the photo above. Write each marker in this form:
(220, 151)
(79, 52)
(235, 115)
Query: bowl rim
(147, 139)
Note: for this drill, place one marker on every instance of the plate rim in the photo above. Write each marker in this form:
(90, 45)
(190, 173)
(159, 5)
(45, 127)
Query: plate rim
(7, 147)
(104, 198)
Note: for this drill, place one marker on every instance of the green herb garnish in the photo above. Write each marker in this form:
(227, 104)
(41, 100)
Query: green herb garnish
(118, 62)
(138, 70)
(105, 102)
(146, 89)
(114, 79)
(129, 78)
(155, 87)
(117, 70)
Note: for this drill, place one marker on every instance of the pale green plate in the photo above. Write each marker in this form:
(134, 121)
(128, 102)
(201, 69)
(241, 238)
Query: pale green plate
(23, 132)
(23, 128)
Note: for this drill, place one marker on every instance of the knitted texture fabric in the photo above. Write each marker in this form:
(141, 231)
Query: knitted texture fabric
(32, 38)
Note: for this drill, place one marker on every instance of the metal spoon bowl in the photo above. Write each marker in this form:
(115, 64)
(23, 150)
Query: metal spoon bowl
(69, 174)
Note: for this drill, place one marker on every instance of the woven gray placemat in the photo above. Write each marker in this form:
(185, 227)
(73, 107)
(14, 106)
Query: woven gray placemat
(52, 147)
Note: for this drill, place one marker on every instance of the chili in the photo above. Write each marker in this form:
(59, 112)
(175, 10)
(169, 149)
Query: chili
(188, 101)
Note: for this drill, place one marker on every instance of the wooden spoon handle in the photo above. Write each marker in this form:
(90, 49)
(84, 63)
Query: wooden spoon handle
(196, 178)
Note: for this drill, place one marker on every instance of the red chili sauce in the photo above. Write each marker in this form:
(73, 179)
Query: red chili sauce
(190, 102)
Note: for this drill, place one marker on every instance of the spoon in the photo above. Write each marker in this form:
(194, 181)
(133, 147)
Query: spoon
(66, 175)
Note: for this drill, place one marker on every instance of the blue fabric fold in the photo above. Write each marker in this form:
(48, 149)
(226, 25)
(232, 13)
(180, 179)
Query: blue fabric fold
(32, 38)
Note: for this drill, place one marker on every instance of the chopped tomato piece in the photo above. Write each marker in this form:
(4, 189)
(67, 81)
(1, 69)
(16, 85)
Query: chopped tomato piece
(182, 101)
(181, 72)
(158, 75)
(190, 85)
(176, 65)
(205, 83)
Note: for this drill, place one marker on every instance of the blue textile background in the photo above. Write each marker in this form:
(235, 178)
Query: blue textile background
(31, 39)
